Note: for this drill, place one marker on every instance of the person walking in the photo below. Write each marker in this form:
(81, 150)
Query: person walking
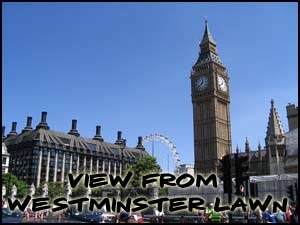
(209, 212)
(280, 217)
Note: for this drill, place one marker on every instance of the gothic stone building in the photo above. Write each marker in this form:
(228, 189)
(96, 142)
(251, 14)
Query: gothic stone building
(211, 119)
(280, 155)
(42, 155)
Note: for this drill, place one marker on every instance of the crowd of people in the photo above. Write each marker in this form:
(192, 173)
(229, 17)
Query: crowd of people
(210, 216)
(290, 216)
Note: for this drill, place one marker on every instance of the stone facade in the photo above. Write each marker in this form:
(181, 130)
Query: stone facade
(5, 159)
(292, 115)
(211, 112)
(279, 156)
(185, 168)
(42, 155)
(211, 119)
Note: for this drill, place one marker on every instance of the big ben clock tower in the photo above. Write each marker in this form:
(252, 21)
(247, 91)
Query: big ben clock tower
(211, 114)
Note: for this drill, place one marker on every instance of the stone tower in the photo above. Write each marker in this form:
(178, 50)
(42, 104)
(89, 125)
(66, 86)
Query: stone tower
(211, 101)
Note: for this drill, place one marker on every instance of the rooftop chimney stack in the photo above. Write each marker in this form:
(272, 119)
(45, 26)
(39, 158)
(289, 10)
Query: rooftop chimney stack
(74, 124)
(43, 124)
(13, 129)
(120, 140)
(98, 134)
(44, 117)
(28, 125)
(74, 131)
(140, 140)
(140, 143)
(119, 135)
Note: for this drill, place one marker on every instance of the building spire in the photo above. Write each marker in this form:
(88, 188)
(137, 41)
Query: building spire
(259, 150)
(274, 124)
(207, 37)
(247, 146)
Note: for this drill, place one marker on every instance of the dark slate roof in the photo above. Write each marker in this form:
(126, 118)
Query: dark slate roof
(72, 141)
(254, 155)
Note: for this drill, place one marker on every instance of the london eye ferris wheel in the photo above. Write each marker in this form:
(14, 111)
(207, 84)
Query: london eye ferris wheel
(168, 149)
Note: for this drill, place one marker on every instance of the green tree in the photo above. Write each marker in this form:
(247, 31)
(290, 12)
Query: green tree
(79, 190)
(9, 180)
(163, 191)
(97, 191)
(146, 165)
(55, 190)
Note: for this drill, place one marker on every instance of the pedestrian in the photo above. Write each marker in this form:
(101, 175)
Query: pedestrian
(280, 217)
(288, 215)
(216, 217)
(130, 219)
(225, 217)
(182, 219)
(272, 218)
(35, 217)
(59, 216)
(251, 217)
(201, 218)
(294, 214)
(27, 216)
(124, 215)
(266, 216)
(258, 215)
(209, 213)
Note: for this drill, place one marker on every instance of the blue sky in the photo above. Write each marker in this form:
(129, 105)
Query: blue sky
(126, 66)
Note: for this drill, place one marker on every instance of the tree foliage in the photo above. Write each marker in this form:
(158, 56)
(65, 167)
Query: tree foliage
(55, 190)
(146, 165)
(79, 190)
(8, 180)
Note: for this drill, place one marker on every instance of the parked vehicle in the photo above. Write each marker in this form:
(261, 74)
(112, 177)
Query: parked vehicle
(9, 216)
(108, 217)
(93, 217)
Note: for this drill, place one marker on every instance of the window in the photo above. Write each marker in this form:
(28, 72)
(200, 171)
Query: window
(4, 161)
(65, 140)
(115, 151)
(92, 146)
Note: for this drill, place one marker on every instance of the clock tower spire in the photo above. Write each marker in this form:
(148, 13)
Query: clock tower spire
(207, 43)
(211, 101)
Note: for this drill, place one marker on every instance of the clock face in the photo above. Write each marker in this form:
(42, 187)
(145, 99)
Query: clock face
(201, 83)
(222, 83)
